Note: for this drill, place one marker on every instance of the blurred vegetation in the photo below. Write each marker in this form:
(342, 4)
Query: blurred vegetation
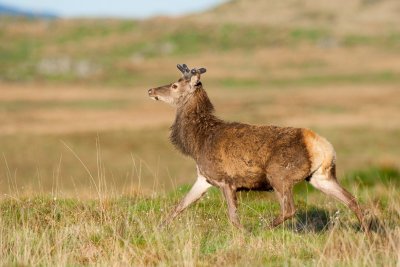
(68, 51)
(385, 175)
(132, 158)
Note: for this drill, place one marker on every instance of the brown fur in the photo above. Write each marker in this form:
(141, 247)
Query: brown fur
(236, 156)
(241, 155)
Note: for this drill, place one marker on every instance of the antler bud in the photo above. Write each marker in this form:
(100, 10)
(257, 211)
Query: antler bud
(187, 73)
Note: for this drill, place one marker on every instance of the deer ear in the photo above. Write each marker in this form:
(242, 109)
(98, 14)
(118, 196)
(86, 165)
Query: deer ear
(194, 80)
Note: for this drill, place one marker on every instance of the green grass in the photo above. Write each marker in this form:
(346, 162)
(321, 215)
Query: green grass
(47, 230)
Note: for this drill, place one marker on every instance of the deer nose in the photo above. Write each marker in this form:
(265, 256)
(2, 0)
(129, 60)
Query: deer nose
(151, 91)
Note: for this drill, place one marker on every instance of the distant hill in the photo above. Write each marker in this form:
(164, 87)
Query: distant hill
(282, 41)
(355, 16)
(6, 10)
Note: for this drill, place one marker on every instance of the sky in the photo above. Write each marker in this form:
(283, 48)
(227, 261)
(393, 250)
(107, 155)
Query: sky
(114, 8)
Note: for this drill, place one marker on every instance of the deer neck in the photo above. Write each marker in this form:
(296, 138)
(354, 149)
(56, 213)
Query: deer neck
(194, 122)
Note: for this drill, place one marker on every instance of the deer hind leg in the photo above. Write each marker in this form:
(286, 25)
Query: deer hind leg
(231, 201)
(286, 201)
(325, 180)
(197, 190)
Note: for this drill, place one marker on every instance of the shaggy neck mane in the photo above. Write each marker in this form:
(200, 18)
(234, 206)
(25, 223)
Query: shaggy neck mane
(194, 122)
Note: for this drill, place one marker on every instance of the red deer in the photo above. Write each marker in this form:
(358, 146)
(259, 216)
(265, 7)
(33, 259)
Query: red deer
(236, 156)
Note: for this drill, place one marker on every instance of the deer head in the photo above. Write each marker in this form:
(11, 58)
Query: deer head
(178, 92)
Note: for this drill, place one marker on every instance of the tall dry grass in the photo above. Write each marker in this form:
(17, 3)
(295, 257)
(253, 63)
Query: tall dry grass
(123, 231)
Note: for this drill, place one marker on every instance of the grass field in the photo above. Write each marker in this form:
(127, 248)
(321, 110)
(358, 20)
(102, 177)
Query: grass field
(87, 171)
(119, 231)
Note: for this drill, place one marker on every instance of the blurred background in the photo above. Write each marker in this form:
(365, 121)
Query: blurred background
(74, 111)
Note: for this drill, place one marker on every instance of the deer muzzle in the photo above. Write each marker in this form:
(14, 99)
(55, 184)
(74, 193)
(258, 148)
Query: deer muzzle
(152, 94)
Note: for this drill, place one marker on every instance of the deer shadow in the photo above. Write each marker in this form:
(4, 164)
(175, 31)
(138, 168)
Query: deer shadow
(313, 219)
(319, 220)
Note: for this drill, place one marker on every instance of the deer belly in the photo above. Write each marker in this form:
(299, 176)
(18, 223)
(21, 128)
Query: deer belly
(255, 185)
(257, 182)
(245, 179)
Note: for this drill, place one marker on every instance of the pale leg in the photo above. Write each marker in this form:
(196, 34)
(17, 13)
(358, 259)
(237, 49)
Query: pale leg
(330, 186)
(197, 190)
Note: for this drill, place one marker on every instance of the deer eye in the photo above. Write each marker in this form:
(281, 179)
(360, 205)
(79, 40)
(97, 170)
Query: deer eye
(174, 86)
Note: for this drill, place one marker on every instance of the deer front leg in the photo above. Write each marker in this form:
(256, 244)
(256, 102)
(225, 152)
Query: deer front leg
(197, 190)
(231, 201)
(285, 197)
